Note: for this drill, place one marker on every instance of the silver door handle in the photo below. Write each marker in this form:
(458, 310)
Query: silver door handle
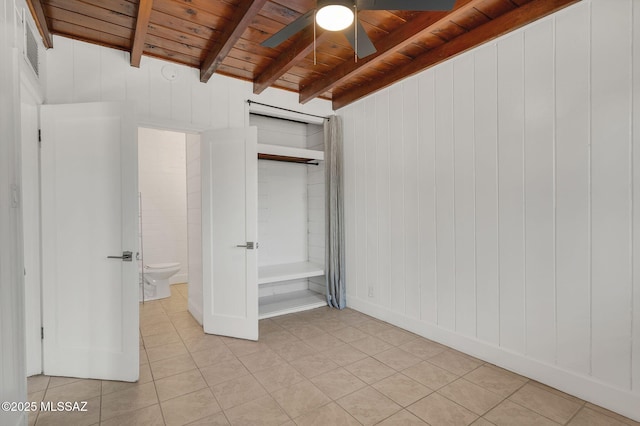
(127, 256)
(249, 246)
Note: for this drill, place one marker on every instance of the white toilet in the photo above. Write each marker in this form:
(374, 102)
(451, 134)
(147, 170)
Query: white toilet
(156, 279)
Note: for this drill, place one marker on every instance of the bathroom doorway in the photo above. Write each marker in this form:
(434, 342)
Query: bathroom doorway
(162, 226)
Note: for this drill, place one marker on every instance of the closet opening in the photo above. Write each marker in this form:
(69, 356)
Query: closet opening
(291, 215)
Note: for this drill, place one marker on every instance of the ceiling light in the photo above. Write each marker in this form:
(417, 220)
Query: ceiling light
(334, 17)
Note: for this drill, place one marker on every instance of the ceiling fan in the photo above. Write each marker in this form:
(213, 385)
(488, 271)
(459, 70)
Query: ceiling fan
(340, 15)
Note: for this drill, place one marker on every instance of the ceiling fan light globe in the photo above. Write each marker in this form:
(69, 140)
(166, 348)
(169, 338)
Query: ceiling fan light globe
(334, 17)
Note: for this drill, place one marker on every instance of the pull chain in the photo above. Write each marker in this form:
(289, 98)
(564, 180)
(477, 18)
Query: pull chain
(314, 38)
(355, 27)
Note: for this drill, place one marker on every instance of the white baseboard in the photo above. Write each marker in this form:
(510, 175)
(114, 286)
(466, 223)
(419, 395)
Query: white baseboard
(587, 388)
(179, 279)
(196, 311)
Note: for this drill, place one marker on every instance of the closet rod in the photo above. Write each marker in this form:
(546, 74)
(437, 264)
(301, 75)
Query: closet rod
(249, 101)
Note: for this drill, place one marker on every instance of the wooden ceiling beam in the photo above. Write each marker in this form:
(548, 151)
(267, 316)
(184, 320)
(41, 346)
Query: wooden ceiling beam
(232, 32)
(37, 11)
(142, 27)
(287, 59)
(501, 25)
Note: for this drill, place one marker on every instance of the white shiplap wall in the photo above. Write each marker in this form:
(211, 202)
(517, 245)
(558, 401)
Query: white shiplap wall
(81, 72)
(492, 202)
(162, 184)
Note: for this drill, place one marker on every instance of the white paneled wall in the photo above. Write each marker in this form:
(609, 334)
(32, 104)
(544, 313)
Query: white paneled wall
(492, 202)
(163, 188)
(194, 226)
(81, 72)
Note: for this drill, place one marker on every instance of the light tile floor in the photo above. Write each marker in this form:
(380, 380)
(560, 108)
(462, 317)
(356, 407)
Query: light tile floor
(320, 367)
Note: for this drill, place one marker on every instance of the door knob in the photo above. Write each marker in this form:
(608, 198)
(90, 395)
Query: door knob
(127, 256)
(249, 246)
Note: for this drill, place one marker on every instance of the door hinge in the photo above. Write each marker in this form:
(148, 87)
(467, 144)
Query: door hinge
(42, 333)
(39, 135)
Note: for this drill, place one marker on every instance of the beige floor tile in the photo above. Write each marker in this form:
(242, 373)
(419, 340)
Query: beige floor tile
(349, 334)
(313, 365)
(279, 377)
(430, 375)
(401, 389)
(616, 416)
(125, 401)
(72, 418)
(306, 331)
(179, 384)
(371, 345)
(166, 351)
(203, 342)
(338, 383)
(261, 360)
(292, 350)
(191, 332)
(330, 414)
(148, 416)
(508, 413)
(279, 337)
(396, 336)
(545, 403)
(267, 326)
(218, 419)
(171, 366)
(482, 422)
(344, 354)
(144, 359)
(373, 327)
(156, 328)
(244, 347)
(110, 386)
(35, 397)
(223, 371)
(119, 403)
(189, 408)
(238, 391)
(161, 339)
(556, 392)
(212, 356)
(55, 381)
(300, 398)
(74, 391)
(423, 348)
(495, 379)
(397, 359)
(471, 396)
(402, 418)
(589, 417)
(370, 370)
(37, 383)
(368, 406)
(183, 320)
(455, 361)
(435, 409)
(264, 411)
(322, 341)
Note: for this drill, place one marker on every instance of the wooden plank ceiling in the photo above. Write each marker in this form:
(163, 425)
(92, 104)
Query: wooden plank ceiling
(224, 36)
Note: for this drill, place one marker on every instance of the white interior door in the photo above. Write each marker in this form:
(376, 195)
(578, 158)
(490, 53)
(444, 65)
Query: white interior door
(229, 224)
(89, 212)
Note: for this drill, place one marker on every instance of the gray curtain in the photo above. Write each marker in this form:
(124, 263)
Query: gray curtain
(334, 245)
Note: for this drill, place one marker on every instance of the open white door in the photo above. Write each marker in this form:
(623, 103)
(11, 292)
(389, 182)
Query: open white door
(229, 231)
(89, 211)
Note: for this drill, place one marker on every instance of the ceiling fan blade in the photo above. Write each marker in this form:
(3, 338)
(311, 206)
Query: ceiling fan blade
(418, 5)
(291, 29)
(365, 45)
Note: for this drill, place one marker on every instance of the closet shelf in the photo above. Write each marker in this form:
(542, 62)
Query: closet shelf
(288, 271)
(288, 303)
(288, 154)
